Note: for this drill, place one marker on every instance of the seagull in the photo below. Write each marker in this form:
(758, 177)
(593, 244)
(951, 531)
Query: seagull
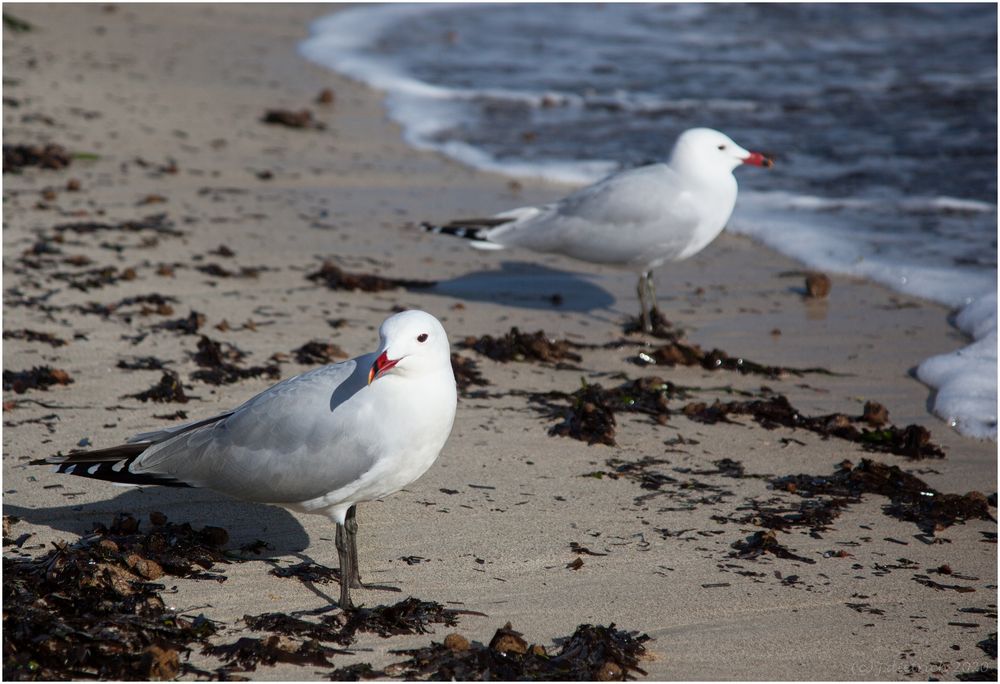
(638, 219)
(320, 442)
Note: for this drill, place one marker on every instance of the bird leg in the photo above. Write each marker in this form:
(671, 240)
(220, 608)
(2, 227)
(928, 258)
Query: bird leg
(351, 527)
(651, 290)
(647, 325)
(354, 578)
(346, 563)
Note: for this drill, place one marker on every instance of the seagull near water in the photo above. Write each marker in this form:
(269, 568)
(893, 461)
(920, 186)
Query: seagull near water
(320, 442)
(637, 219)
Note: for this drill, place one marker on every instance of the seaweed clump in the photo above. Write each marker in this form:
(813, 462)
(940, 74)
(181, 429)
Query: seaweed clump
(761, 542)
(409, 616)
(168, 389)
(466, 373)
(95, 278)
(141, 363)
(816, 514)
(297, 641)
(292, 119)
(219, 364)
(246, 653)
(51, 156)
(685, 494)
(152, 303)
(823, 499)
(591, 653)
(90, 609)
(639, 471)
(189, 325)
(518, 346)
(38, 377)
(309, 572)
(910, 498)
(680, 353)
(316, 352)
(662, 328)
(34, 336)
(337, 278)
(590, 416)
(159, 224)
(215, 270)
(178, 549)
(913, 441)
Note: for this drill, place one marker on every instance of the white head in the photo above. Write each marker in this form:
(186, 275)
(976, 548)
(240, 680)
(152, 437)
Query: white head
(706, 152)
(411, 343)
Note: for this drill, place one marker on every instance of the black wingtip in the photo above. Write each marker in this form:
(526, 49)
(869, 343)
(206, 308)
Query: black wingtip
(111, 465)
(468, 229)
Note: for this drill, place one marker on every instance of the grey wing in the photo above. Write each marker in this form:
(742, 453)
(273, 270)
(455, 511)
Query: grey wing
(617, 220)
(634, 196)
(163, 434)
(277, 446)
(156, 436)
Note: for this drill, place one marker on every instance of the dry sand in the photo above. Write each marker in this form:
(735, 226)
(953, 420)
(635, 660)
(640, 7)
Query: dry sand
(144, 86)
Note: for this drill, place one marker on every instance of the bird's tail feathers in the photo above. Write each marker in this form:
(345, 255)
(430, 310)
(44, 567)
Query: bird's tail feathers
(111, 465)
(485, 246)
(475, 230)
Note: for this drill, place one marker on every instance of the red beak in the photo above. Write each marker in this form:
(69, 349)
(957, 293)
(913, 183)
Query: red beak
(383, 364)
(757, 159)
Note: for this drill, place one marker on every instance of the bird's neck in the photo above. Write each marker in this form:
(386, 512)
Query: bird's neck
(718, 197)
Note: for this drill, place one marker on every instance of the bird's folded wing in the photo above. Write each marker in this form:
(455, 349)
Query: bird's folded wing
(624, 218)
(647, 194)
(330, 374)
(163, 434)
(263, 438)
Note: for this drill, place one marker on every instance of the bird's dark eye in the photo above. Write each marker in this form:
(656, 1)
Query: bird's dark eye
(722, 147)
(422, 337)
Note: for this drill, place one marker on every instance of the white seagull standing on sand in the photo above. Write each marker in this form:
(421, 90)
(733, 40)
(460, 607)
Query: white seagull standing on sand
(320, 442)
(636, 219)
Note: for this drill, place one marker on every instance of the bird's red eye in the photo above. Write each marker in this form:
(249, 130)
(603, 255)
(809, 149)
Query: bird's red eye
(422, 337)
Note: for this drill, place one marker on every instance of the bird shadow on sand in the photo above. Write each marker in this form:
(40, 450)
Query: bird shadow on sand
(245, 522)
(530, 286)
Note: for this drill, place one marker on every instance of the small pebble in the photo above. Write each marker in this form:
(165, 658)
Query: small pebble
(817, 285)
(456, 642)
(610, 672)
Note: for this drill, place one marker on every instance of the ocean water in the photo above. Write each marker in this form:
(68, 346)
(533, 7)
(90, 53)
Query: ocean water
(882, 119)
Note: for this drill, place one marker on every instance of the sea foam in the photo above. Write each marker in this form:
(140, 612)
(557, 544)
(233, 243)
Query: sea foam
(966, 380)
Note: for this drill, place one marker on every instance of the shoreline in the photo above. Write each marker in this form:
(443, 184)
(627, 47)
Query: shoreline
(189, 84)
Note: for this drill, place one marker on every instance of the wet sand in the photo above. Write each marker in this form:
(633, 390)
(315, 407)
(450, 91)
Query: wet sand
(167, 103)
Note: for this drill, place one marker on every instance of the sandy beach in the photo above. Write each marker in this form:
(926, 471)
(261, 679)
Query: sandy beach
(163, 107)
